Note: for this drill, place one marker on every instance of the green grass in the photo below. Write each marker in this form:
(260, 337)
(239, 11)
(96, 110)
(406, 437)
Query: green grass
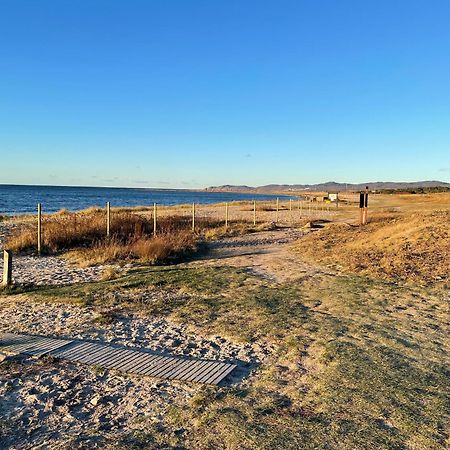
(357, 363)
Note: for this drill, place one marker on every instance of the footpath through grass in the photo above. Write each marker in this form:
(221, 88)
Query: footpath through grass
(358, 363)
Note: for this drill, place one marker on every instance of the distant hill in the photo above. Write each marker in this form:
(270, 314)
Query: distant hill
(330, 186)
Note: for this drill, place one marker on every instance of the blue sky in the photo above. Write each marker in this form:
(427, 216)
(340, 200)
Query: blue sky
(191, 93)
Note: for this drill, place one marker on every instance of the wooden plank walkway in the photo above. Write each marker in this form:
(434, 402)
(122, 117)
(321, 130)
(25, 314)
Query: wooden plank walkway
(30, 345)
(139, 361)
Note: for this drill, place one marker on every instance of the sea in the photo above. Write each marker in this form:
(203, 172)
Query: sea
(23, 199)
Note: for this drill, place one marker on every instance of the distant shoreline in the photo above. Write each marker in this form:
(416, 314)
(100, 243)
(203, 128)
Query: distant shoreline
(23, 199)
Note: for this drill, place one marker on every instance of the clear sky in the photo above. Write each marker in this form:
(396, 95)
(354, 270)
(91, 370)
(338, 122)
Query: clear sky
(192, 93)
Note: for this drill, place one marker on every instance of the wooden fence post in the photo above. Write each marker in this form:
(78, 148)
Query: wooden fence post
(193, 217)
(278, 207)
(254, 212)
(226, 215)
(39, 228)
(108, 218)
(154, 218)
(7, 268)
(290, 210)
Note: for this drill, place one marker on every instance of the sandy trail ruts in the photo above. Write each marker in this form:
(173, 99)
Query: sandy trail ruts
(266, 254)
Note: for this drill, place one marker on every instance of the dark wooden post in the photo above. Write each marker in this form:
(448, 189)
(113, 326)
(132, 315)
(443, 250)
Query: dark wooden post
(361, 208)
(7, 268)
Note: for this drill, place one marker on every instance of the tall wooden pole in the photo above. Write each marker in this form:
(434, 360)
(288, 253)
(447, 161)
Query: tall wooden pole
(193, 217)
(155, 220)
(290, 210)
(39, 228)
(254, 212)
(108, 218)
(7, 268)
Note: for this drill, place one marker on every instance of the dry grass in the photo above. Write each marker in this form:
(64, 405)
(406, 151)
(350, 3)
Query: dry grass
(82, 236)
(409, 247)
(131, 237)
(162, 248)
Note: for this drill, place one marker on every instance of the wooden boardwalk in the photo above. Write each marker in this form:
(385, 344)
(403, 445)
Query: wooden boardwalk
(139, 361)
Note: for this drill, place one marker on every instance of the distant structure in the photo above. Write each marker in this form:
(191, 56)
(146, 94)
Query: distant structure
(332, 196)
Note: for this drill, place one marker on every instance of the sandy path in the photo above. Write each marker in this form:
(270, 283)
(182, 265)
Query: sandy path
(266, 254)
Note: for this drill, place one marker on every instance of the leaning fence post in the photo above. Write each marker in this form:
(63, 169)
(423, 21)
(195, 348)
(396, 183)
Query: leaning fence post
(108, 218)
(154, 219)
(193, 217)
(7, 268)
(226, 215)
(39, 228)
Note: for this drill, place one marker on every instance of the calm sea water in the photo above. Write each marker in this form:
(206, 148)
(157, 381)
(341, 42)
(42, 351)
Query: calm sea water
(15, 200)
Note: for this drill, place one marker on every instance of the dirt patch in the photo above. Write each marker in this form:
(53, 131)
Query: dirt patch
(266, 254)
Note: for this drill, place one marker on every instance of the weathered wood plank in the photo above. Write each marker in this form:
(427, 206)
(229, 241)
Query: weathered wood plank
(173, 373)
(133, 360)
(112, 360)
(140, 360)
(147, 365)
(213, 370)
(191, 374)
(190, 368)
(222, 376)
(129, 356)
